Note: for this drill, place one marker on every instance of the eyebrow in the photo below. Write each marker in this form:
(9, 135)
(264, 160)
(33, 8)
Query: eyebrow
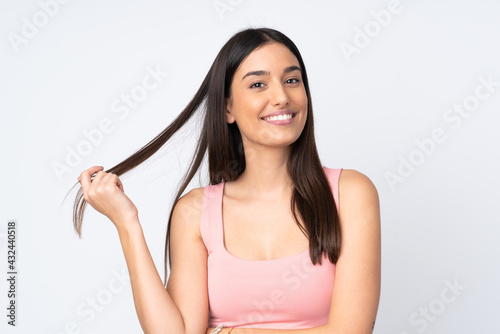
(287, 70)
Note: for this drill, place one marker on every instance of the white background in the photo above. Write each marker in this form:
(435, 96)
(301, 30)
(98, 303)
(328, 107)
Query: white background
(440, 221)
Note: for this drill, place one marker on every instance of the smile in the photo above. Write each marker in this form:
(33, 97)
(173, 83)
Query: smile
(282, 119)
(278, 117)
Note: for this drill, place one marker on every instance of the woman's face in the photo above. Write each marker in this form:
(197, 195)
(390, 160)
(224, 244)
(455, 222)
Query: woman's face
(268, 100)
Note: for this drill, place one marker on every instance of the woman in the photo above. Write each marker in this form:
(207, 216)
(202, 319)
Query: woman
(276, 242)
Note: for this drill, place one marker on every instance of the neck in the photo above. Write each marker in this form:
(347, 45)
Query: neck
(265, 172)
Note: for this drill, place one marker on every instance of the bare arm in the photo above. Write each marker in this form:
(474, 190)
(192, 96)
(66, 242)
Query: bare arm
(356, 291)
(187, 283)
(157, 310)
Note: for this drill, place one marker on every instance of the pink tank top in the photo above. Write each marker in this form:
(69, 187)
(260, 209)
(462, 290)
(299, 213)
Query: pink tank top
(284, 293)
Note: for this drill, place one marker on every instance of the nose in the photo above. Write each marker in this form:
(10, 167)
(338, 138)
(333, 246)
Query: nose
(278, 97)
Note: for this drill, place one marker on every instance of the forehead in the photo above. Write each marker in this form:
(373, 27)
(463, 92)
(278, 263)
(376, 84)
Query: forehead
(268, 57)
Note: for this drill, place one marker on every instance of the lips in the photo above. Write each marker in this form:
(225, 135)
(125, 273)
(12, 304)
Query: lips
(278, 117)
(281, 117)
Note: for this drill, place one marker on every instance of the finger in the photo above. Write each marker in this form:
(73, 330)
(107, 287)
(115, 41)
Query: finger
(98, 176)
(111, 177)
(90, 171)
(84, 177)
(119, 183)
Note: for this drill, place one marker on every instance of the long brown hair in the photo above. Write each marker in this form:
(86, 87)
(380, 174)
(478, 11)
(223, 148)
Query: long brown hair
(312, 197)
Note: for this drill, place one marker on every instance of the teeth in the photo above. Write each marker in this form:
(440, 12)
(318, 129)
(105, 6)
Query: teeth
(278, 117)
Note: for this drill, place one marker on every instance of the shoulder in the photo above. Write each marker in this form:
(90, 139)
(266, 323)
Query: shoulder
(358, 198)
(351, 183)
(356, 185)
(192, 200)
(187, 210)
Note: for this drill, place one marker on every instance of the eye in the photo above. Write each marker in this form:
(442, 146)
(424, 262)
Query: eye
(257, 85)
(292, 81)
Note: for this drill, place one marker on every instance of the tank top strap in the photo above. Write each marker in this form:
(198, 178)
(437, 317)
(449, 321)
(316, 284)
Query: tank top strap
(210, 224)
(333, 176)
(211, 228)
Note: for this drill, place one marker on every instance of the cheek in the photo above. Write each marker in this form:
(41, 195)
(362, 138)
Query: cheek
(304, 99)
(302, 104)
(299, 97)
(249, 107)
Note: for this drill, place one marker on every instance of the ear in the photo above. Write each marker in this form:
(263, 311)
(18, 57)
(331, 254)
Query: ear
(229, 117)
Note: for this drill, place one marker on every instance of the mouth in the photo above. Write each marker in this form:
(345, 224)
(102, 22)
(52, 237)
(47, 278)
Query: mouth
(280, 119)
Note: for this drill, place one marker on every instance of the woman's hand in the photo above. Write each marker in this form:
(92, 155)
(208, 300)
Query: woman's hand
(105, 194)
